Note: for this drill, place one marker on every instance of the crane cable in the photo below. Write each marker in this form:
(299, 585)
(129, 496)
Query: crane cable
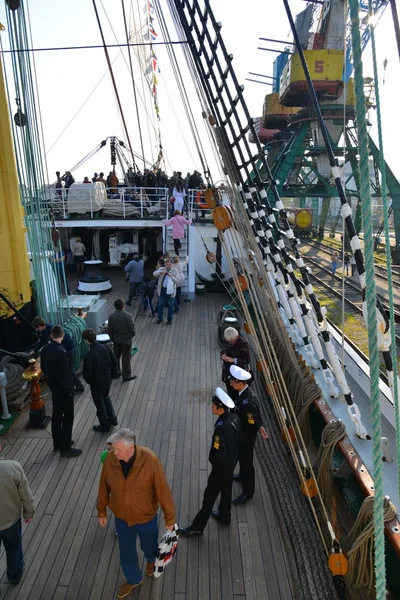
(113, 78)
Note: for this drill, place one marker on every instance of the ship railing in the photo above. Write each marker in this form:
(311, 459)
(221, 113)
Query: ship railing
(196, 205)
(118, 202)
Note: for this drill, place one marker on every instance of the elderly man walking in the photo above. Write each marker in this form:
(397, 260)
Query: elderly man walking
(132, 485)
(16, 499)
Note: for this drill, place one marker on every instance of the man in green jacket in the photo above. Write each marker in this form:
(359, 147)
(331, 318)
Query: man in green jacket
(121, 329)
(16, 499)
(133, 485)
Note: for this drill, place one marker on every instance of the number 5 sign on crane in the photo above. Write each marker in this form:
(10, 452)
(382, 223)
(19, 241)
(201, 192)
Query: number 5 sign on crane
(319, 66)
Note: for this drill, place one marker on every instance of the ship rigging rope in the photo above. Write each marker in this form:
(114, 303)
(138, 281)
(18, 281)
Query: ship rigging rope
(299, 533)
(113, 79)
(150, 119)
(370, 291)
(30, 167)
(198, 87)
(140, 27)
(274, 366)
(130, 70)
(81, 106)
(133, 81)
(182, 91)
(382, 168)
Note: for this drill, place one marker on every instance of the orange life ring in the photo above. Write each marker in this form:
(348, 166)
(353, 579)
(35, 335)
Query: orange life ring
(200, 202)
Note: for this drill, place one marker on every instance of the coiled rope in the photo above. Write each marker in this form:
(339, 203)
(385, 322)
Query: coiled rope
(361, 536)
(331, 436)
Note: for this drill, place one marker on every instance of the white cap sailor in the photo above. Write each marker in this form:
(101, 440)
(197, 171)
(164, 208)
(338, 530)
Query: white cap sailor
(239, 374)
(221, 399)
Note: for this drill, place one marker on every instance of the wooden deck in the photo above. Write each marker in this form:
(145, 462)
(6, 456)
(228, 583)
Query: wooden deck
(69, 557)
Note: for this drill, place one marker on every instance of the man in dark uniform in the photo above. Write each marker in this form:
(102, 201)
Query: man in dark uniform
(248, 410)
(223, 457)
(99, 365)
(54, 364)
(45, 338)
(237, 352)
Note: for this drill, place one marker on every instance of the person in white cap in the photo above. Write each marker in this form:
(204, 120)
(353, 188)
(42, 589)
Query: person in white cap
(248, 410)
(223, 457)
(237, 352)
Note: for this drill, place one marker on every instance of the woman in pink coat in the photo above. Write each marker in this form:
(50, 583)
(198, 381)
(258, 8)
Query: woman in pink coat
(178, 223)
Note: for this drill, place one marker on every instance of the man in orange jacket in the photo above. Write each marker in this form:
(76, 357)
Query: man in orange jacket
(133, 485)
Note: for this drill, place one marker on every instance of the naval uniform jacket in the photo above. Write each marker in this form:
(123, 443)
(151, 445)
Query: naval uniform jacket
(225, 442)
(248, 410)
(238, 350)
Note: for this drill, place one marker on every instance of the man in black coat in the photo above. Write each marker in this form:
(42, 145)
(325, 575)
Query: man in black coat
(99, 367)
(44, 329)
(223, 457)
(54, 364)
(248, 410)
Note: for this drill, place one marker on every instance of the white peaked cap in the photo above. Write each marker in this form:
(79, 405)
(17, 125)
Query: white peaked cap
(224, 398)
(239, 373)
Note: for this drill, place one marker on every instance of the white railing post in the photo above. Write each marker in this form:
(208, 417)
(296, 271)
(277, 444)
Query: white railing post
(141, 203)
(123, 203)
(63, 201)
(91, 203)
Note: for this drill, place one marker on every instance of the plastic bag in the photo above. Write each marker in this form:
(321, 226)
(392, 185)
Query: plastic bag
(167, 549)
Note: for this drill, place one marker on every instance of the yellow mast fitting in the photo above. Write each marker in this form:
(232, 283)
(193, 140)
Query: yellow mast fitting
(14, 265)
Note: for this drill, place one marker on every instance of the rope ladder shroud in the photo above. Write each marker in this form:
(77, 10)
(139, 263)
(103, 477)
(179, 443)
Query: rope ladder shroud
(187, 28)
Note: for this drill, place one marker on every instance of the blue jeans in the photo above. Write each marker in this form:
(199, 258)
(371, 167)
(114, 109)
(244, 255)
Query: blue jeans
(12, 540)
(163, 301)
(148, 536)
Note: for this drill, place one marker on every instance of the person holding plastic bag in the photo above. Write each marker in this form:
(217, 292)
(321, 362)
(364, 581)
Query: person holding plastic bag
(168, 278)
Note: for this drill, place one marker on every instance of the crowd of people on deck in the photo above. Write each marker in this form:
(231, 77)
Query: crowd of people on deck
(133, 483)
(150, 178)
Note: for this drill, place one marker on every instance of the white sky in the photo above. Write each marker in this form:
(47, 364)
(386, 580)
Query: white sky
(66, 78)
